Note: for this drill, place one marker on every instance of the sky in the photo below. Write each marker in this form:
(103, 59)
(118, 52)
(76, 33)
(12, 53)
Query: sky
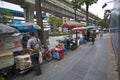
(95, 8)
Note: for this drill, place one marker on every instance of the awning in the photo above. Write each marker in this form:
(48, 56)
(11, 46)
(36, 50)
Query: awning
(27, 27)
(90, 27)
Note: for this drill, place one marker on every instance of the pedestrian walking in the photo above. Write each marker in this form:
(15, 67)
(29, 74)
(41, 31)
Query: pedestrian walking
(33, 46)
(93, 36)
(101, 33)
(88, 35)
(81, 38)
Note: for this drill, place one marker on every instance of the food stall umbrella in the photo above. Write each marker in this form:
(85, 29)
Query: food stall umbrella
(79, 28)
(27, 27)
(71, 24)
(6, 29)
(90, 27)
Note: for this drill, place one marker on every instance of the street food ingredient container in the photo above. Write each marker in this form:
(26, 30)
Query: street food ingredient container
(57, 53)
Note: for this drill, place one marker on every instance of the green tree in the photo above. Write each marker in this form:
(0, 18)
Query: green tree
(54, 21)
(5, 17)
(58, 22)
(103, 23)
(78, 3)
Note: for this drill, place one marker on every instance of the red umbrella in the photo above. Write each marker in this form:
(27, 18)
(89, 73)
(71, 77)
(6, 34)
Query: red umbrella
(71, 24)
(79, 28)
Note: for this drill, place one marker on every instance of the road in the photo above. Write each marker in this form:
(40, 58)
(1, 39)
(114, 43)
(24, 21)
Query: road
(87, 62)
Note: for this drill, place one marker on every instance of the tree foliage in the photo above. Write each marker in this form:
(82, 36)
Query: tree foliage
(58, 22)
(78, 3)
(55, 22)
(103, 23)
(52, 20)
(5, 17)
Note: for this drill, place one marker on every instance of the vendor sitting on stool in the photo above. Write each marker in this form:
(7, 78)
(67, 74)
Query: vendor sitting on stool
(24, 41)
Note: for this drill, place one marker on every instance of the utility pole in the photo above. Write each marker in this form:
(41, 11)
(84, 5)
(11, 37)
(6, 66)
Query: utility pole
(40, 22)
(75, 10)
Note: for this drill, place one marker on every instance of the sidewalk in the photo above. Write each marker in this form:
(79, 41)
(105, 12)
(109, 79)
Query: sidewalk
(112, 64)
(88, 62)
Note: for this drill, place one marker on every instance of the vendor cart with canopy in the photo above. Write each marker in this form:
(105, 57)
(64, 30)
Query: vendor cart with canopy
(10, 41)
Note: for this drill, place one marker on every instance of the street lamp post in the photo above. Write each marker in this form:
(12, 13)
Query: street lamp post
(75, 9)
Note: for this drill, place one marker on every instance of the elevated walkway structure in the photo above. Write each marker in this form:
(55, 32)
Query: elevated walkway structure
(19, 13)
(56, 7)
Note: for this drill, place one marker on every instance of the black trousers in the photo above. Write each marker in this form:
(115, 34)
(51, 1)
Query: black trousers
(93, 40)
(35, 61)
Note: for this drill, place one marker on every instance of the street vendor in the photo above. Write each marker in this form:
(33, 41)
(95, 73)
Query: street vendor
(24, 41)
(34, 52)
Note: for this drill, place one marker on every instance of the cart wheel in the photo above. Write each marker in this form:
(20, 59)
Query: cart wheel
(15, 70)
(48, 57)
(3, 76)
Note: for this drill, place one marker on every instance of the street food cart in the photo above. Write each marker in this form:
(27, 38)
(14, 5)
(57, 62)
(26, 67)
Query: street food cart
(10, 41)
(23, 61)
(12, 55)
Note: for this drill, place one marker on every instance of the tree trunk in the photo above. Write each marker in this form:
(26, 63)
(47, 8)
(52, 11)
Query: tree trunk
(87, 9)
(40, 22)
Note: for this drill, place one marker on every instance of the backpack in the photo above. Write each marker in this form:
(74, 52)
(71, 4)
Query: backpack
(37, 46)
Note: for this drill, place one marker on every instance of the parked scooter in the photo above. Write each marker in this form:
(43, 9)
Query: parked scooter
(46, 53)
(71, 44)
(68, 43)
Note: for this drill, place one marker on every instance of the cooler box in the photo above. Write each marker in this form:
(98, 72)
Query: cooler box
(23, 62)
(58, 53)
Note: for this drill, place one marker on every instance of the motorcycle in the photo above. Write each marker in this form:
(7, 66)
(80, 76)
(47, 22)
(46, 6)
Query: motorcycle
(72, 44)
(46, 54)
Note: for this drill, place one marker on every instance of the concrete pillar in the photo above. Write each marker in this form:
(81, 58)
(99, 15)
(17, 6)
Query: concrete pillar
(28, 12)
